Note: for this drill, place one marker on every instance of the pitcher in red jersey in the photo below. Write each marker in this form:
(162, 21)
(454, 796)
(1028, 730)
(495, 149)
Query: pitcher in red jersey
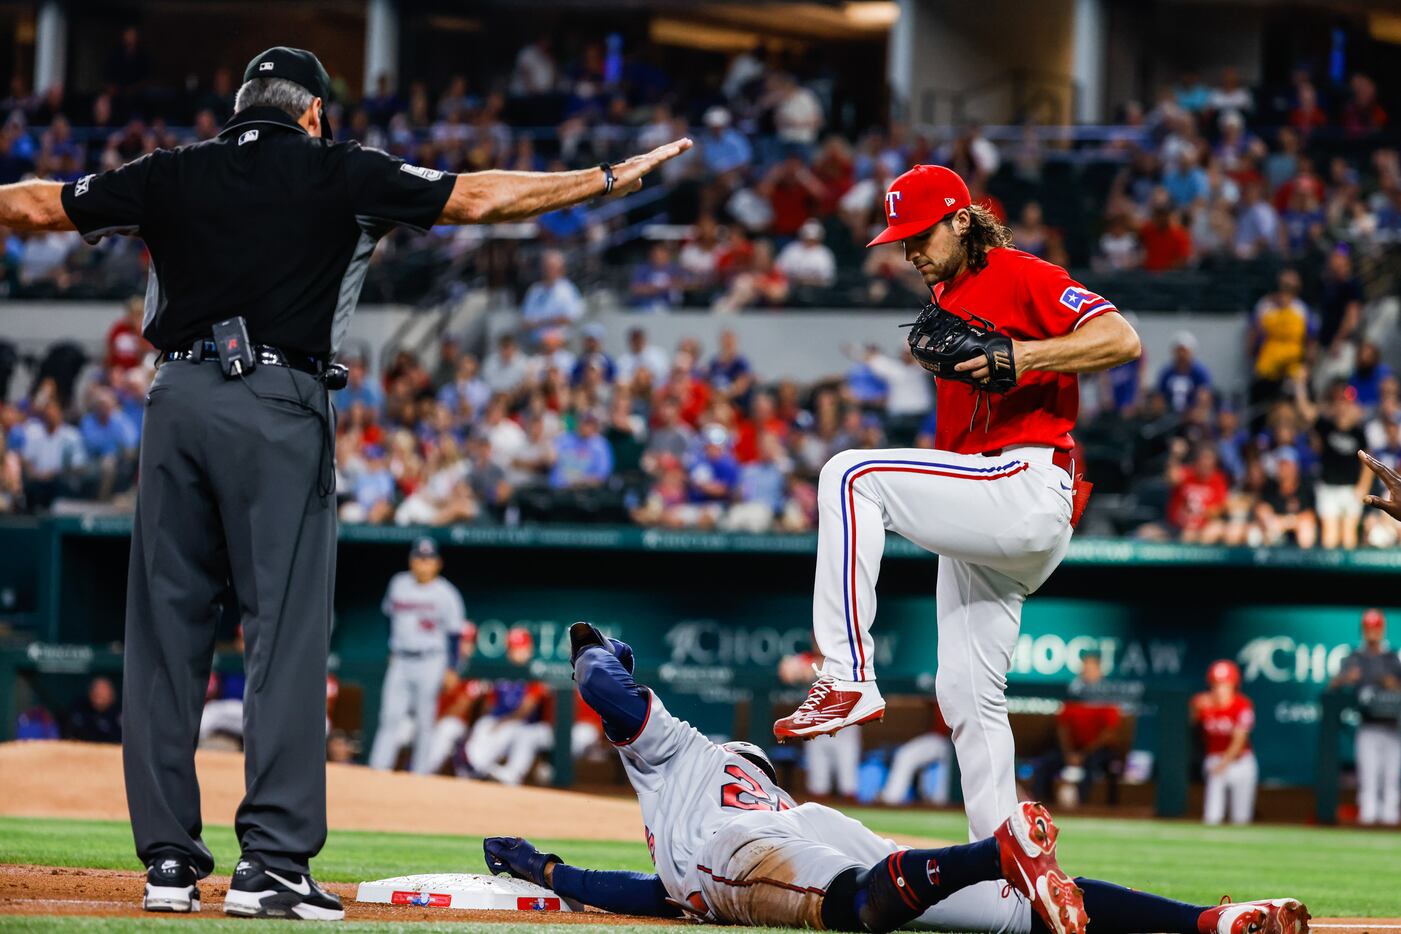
(995, 501)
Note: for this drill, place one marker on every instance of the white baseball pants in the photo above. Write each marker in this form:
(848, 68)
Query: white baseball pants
(913, 758)
(1000, 526)
(833, 761)
(411, 688)
(505, 750)
(1237, 782)
(1378, 774)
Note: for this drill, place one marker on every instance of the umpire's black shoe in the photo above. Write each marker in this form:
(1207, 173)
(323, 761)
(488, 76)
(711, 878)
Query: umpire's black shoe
(258, 892)
(171, 885)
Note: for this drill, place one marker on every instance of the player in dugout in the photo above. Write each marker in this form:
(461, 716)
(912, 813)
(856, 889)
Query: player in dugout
(731, 847)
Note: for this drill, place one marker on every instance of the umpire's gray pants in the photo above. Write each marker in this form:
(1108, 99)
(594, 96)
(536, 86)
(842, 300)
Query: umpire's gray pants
(228, 493)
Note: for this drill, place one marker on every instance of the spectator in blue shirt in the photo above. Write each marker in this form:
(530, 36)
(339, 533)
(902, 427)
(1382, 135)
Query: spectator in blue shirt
(715, 474)
(1185, 181)
(373, 491)
(131, 398)
(583, 457)
(592, 355)
(554, 303)
(1184, 374)
(657, 284)
(729, 373)
(105, 429)
(360, 388)
(865, 387)
(723, 148)
(1367, 379)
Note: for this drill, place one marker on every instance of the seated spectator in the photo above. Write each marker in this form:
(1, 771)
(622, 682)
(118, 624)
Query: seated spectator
(1286, 508)
(626, 434)
(467, 393)
(110, 442)
(583, 458)
(793, 194)
(657, 284)
(1259, 232)
(359, 388)
(126, 346)
(699, 260)
(506, 369)
(642, 355)
(909, 393)
(553, 304)
(444, 497)
(765, 284)
(1030, 233)
(1362, 115)
(1307, 115)
(1166, 243)
(373, 491)
(1184, 376)
(913, 758)
(53, 454)
(1087, 739)
(668, 501)
(592, 356)
(490, 485)
(1184, 180)
(1370, 376)
(1118, 247)
(95, 717)
(807, 262)
(762, 488)
(670, 436)
(729, 374)
(865, 386)
(1231, 96)
(724, 149)
(714, 475)
(1197, 504)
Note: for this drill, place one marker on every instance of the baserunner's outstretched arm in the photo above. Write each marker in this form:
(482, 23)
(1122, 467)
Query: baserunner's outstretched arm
(608, 687)
(626, 893)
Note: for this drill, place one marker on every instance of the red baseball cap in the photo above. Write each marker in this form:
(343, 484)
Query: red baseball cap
(1373, 619)
(919, 199)
(519, 638)
(1223, 672)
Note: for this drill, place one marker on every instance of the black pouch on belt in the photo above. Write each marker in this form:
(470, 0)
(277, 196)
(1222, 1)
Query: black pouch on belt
(235, 350)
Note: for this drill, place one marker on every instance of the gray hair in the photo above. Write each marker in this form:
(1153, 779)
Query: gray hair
(273, 92)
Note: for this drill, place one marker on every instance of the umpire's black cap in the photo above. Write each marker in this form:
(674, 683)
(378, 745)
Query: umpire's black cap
(424, 547)
(299, 67)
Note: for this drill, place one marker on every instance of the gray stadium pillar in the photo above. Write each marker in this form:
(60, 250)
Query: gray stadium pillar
(381, 42)
(50, 45)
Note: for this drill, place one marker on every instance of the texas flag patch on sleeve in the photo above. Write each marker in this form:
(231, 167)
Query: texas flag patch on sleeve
(1084, 303)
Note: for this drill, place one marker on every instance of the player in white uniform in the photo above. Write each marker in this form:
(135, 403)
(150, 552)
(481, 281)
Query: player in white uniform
(731, 847)
(425, 612)
(996, 501)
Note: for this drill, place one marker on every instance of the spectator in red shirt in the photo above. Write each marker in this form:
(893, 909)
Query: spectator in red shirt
(1166, 243)
(793, 193)
(1363, 114)
(126, 348)
(1307, 116)
(1197, 506)
(1087, 737)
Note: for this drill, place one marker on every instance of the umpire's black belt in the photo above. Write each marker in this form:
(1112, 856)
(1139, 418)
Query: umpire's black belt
(206, 351)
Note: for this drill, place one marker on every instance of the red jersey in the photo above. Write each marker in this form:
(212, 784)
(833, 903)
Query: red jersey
(1087, 722)
(1195, 500)
(126, 347)
(1027, 299)
(1219, 724)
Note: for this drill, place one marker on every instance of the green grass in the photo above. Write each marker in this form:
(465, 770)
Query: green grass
(1336, 871)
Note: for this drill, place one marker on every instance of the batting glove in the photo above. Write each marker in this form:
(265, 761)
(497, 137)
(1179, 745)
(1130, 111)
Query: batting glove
(586, 635)
(517, 857)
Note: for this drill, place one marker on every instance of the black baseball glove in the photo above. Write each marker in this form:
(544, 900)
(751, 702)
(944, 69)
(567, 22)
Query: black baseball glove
(940, 340)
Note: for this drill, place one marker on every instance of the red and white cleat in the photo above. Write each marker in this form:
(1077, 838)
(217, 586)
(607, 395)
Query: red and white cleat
(1027, 844)
(1269, 916)
(831, 705)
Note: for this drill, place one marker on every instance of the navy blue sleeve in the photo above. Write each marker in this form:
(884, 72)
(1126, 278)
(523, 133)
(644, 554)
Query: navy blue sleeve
(609, 689)
(624, 893)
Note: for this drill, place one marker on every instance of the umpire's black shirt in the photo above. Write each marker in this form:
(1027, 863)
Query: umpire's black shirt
(263, 221)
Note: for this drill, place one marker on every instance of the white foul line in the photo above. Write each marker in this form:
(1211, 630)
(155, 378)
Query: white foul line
(1364, 926)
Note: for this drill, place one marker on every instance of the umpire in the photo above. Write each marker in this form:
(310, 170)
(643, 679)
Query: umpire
(259, 240)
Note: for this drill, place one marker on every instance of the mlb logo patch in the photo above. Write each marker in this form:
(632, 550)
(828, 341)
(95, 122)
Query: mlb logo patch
(1076, 299)
(265, 66)
(248, 137)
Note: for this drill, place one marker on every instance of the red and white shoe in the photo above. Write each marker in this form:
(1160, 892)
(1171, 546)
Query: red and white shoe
(1270, 916)
(832, 705)
(1027, 844)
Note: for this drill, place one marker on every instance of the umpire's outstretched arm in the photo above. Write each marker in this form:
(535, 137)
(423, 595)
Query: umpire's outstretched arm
(495, 196)
(477, 197)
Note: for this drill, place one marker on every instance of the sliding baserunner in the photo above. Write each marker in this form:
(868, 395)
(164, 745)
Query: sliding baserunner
(732, 847)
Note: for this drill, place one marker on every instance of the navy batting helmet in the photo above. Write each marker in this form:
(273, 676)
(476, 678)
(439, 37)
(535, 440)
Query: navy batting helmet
(753, 754)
